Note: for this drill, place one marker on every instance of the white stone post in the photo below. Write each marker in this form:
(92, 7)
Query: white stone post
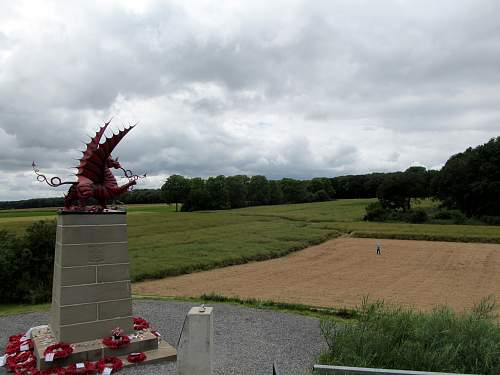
(195, 350)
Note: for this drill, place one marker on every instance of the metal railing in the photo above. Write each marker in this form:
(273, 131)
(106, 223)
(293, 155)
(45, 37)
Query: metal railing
(374, 371)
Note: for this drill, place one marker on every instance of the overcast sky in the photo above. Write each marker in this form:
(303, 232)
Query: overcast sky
(280, 88)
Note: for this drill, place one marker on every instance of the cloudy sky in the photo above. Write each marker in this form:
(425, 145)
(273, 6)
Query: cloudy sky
(279, 88)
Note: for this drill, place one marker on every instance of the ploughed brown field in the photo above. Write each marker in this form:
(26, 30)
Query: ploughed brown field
(340, 272)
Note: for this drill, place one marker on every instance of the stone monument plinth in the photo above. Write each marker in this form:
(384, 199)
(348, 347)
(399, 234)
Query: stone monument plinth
(91, 292)
(91, 288)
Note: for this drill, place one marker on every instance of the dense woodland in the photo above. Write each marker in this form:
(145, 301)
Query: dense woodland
(469, 183)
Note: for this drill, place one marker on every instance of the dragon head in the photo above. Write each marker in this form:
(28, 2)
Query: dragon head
(113, 163)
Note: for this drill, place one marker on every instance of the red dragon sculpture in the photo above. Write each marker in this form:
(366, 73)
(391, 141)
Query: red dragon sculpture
(95, 179)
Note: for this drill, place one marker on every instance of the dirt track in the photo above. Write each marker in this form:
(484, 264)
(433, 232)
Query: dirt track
(340, 272)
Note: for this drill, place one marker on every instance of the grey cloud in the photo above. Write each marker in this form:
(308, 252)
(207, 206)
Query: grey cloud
(281, 89)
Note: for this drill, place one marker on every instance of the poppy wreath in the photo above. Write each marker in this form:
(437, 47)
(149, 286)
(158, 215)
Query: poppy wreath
(15, 346)
(114, 362)
(16, 338)
(140, 324)
(31, 371)
(21, 362)
(53, 371)
(136, 357)
(89, 368)
(60, 350)
(115, 344)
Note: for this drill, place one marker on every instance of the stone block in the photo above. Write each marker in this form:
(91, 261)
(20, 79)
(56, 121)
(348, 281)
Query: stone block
(85, 234)
(92, 219)
(195, 351)
(92, 330)
(72, 295)
(88, 254)
(77, 314)
(113, 309)
(78, 275)
(113, 272)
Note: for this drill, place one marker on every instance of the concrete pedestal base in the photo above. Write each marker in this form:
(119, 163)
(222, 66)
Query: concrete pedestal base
(196, 343)
(155, 348)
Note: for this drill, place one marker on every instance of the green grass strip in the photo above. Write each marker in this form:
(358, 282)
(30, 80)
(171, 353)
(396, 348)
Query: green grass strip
(342, 314)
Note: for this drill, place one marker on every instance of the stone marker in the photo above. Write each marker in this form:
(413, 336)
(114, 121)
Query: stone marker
(195, 350)
(91, 289)
(91, 293)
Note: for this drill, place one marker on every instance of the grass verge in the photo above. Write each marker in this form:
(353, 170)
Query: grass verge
(392, 337)
(12, 309)
(342, 314)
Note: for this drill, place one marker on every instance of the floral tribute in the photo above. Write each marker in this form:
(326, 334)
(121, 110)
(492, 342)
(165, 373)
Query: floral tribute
(140, 324)
(54, 371)
(136, 357)
(20, 360)
(117, 339)
(87, 369)
(60, 350)
(114, 363)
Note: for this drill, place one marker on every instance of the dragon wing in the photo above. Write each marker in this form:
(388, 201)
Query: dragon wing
(93, 162)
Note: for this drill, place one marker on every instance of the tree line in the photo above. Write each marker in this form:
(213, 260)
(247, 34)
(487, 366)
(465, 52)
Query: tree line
(221, 192)
(469, 182)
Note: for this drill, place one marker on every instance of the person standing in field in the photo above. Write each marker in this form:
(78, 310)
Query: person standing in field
(379, 249)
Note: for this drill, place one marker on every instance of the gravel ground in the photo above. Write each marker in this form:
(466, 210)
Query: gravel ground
(247, 340)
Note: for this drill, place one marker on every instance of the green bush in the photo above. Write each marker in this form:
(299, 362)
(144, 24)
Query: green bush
(417, 216)
(27, 264)
(375, 212)
(396, 338)
(455, 216)
(491, 220)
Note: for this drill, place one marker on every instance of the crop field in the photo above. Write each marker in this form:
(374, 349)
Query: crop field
(167, 243)
(340, 272)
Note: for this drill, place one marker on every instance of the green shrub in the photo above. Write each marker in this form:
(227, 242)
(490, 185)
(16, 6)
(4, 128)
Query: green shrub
(417, 216)
(27, 264)
(375, 212)
(398, 338)
(491, 220)
(455, 216)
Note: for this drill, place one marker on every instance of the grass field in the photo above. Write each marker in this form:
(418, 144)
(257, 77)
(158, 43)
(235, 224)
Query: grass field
(165, 243)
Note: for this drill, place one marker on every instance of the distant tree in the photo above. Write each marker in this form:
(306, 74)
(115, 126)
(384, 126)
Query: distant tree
(217, 192)
(395, 191)
(419, 182)
(275, 193)
(198, 197)
(322, 189)
(294, 191)
(470, 180)
(237, 188)
(371, 184)
(142, 196)
(258, 191)
(175, 190)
